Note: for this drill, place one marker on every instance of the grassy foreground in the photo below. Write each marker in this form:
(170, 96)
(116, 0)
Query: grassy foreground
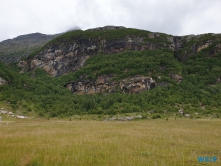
(86, 142)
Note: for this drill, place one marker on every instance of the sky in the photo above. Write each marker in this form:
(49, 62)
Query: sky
(176, 17)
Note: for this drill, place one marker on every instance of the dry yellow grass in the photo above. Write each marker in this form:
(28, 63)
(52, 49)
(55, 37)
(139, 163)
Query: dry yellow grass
(88, 143)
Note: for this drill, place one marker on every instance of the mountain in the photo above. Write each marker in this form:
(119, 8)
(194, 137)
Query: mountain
(12, 50)
(69, 52)
(114, 69)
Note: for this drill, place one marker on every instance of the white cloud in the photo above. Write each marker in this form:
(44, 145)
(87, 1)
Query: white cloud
(177, 17)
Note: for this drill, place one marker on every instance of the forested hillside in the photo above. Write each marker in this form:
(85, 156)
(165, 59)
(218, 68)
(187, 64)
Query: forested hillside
(191, 84)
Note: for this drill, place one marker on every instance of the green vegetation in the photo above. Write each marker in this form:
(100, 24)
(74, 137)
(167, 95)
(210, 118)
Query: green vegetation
(60, 135)
(200, 40)
(148, 63)
(81, 35)
(198, 92)
(97, 36)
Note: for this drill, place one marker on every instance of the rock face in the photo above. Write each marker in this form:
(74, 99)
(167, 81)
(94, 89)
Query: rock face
(69, 52)
(137, 84)
(176, 77)
(58, 59)
(103, 84)
(69, 56)
(192, 44)
(2, 81)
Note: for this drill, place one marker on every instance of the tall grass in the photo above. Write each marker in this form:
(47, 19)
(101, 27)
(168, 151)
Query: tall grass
(81, 142)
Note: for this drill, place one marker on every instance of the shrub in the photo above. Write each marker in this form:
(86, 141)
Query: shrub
(158, 116)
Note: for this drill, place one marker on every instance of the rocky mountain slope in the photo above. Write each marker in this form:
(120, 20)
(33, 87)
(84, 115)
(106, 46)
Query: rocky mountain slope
(112, 70)
(12, 50)
(69, 52)
(104, 84)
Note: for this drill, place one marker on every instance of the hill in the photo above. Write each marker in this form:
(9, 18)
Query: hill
(12, 50)
(118, 70)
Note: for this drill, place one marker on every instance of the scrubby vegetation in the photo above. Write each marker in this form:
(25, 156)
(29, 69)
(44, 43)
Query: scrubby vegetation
(77, 35)
(148, 63)
(199, 90)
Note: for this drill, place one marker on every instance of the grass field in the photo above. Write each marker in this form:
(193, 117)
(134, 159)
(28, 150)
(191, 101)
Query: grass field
(38, 142)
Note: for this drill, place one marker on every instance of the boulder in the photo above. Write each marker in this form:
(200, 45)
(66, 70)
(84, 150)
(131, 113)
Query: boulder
(187, 116)
(152, 111)
(181, 112)
(176, 77)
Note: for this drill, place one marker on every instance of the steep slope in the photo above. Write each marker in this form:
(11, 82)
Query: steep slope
(129, 72)
(68, 52)
(118, 70)
(191, 44)
(12, 50)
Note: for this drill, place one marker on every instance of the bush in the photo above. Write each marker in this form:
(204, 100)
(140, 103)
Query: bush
(156, 116)
(29, 109)
(153, 117)
(41, 114)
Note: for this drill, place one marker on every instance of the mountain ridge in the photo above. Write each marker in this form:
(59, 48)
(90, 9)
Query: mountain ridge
(12, 50)
(68, 52)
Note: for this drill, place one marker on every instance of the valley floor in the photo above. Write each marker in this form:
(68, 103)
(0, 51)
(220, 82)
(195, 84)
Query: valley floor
(124, 143)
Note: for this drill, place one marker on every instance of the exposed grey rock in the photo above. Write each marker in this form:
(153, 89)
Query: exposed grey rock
(129, 118)
(133, 84)
(181, 112)
(59, 59)
(21, 117)
(138, 116)
(120, 119)
(176, 77)
(3, 81)
(187, 116)
(63, 58)
(151, 111)
(2, 111)
(109, 27)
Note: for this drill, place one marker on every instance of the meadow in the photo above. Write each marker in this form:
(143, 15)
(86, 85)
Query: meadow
(61, 142)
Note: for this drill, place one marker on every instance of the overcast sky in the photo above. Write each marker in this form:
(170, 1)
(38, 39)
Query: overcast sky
(176, 17)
